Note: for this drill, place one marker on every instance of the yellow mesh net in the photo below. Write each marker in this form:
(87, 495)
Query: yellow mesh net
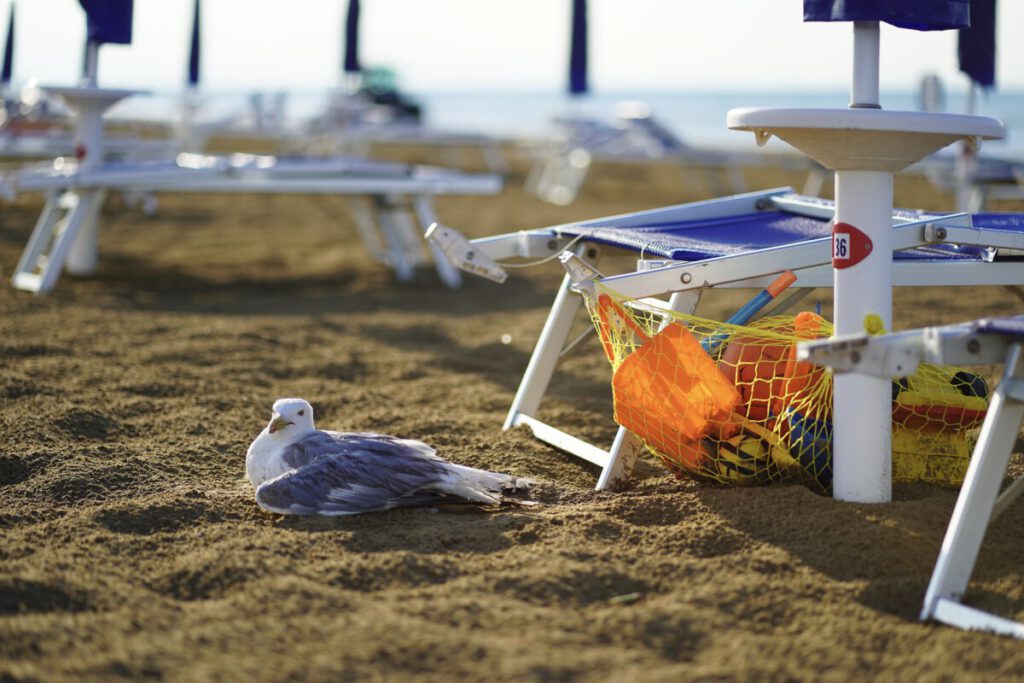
(733, 404)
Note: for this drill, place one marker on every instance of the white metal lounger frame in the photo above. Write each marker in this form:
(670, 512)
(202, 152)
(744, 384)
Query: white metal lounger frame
(979, 502)
(685, 281)
(390, 226)
(66, 232)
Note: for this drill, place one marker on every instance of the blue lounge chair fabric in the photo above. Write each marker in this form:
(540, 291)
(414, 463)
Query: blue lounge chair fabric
(709, 238)
(1007, 327)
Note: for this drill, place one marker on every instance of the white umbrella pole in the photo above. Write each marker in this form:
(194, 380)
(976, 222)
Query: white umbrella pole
(862, 410)
(862, 414)
(966, 160)
(864, 88)
(92, 56)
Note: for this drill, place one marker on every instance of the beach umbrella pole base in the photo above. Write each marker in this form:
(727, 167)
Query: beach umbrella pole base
(862, 414)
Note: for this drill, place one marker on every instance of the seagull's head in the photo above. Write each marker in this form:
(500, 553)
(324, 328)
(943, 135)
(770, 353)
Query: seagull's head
(291, 416)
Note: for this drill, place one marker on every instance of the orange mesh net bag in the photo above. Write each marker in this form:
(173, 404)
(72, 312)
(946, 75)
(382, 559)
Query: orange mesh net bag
(667, 389)
(733, 404)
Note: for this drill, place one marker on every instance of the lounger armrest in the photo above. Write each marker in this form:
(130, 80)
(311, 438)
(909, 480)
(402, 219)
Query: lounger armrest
(898, 354)
(856, 353)
(461, 253)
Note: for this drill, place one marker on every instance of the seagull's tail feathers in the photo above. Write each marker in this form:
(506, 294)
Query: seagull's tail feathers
(482, 486)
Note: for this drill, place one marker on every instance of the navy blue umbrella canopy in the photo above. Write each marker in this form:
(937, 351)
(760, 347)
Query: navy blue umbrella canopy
(920, 15)
(578, 49)
(977, 44)
(351, 63)
(193, 50)
(108, 21)
(8, 68)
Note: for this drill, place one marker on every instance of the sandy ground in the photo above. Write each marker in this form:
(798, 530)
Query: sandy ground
(132, 548)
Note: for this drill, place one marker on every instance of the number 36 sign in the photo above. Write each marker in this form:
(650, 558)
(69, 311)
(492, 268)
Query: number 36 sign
(850, 246)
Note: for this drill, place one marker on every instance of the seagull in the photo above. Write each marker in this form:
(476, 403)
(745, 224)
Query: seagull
(297, 469)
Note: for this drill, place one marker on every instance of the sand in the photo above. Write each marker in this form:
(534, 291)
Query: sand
(132, 548)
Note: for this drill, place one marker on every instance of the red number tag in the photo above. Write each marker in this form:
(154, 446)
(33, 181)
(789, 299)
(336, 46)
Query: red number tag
(850, 246)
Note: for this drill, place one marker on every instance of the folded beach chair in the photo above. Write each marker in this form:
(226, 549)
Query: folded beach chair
(634, 135)
(980, 502)
(739, 241)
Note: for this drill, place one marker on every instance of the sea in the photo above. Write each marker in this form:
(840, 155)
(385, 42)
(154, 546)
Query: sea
(697, 117)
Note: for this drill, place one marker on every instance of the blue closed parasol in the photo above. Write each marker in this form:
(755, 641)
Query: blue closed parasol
(193, 50)
(351, 63)
(919, 15)
(108, 21)
(8, 68)
(976, 49)
(977, 44)
(578, 49)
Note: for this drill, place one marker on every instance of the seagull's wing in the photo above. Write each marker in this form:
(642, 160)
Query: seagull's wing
(319, 444)
(346, 474)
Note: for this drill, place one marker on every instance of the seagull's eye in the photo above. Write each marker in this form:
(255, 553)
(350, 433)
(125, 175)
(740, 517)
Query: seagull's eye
(302, 412)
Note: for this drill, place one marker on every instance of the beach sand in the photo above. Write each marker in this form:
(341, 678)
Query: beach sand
(132, 548)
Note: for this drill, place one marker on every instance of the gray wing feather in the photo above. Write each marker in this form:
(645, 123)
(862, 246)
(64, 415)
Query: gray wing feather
(348, 473)
(336, 487)
(321, 444)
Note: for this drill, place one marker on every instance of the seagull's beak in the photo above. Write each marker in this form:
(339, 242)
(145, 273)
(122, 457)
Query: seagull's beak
(277, 424)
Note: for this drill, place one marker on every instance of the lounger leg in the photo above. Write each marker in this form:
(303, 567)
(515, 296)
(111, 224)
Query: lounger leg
(627, 447)
(26, 275)
(976, 199)
(621, 459)
(494, 158)
(83, 257)
(545, 354)
(446, 271)
(815, 181)
(411, 234)
(574, 169)
(398, 233)
(974, 508)
(533, 177)
(363, 213)
(60, 224)
(559, 177)
(736, 178)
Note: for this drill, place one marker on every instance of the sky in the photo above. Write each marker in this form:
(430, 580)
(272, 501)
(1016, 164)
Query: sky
(460, 45)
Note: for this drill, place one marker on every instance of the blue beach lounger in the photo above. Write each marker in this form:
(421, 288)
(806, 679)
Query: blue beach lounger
(743, 241)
